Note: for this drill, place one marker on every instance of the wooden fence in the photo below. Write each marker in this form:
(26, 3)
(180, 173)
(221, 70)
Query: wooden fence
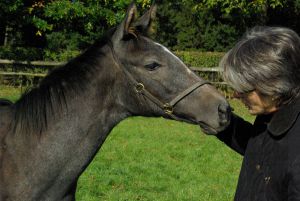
(20, 73)
(25, 73)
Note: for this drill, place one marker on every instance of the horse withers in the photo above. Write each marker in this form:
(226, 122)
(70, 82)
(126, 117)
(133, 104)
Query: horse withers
(51, 134)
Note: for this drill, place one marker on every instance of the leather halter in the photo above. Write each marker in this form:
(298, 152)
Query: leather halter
(168, 107)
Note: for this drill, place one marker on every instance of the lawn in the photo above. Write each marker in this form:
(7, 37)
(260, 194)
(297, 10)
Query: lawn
(155, 159)
(10, 93)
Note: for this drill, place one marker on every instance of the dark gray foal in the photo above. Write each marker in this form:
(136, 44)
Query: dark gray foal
(51, 134)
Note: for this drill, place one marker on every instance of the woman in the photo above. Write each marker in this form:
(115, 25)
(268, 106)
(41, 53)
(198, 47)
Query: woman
(264, 70)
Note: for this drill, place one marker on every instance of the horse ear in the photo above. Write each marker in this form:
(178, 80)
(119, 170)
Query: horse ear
(126, 28)
(144, 23)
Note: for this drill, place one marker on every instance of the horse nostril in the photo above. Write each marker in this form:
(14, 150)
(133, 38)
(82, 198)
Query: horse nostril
(224, 108)
(224, 113)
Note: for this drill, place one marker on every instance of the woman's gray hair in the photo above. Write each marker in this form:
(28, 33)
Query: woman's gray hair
(266, 59)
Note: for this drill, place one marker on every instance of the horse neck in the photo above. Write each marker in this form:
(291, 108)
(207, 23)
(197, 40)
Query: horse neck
(99, 104)
(75, 130)
(85, 117)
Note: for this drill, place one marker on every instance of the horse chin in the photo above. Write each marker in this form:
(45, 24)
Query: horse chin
(208, 129)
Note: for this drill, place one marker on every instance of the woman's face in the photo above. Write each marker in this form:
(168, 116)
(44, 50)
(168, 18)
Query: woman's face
(257, 103)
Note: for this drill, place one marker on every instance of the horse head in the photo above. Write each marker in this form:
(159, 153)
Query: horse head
(160, 82)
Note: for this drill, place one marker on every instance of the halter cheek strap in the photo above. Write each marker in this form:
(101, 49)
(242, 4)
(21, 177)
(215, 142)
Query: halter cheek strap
(168, 107)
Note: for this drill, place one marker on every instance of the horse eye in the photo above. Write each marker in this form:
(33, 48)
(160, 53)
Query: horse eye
(152, 66)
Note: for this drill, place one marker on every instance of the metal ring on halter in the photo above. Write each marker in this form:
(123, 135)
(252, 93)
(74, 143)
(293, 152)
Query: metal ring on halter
(139, 87)
(168, 108)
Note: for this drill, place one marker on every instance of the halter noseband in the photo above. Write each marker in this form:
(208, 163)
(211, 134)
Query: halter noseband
(168, 107)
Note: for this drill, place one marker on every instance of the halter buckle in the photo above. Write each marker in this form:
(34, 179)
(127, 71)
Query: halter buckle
(168, 108)
(139, 87)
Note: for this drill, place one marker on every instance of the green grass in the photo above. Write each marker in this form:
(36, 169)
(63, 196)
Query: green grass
(155, 159)
(10, 93)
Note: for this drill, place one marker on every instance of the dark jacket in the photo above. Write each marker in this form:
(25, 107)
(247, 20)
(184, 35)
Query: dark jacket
(271, 149)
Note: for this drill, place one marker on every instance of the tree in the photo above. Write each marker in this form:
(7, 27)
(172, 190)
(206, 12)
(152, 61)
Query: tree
(212, 25)
(74, 25)
(63, 28)
(11, 16)
(185, 25)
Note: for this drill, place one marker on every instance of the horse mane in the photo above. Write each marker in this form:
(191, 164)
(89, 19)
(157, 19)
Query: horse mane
(50, 98)
(5, 102)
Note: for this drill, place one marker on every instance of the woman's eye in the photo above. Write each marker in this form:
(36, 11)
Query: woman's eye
(152, 66)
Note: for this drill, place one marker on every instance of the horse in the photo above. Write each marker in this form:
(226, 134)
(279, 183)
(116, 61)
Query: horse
(4, 102)
(50, 135)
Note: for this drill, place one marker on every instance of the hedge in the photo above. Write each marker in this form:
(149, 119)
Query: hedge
(190, 58)
(21, 53)
(200, 59)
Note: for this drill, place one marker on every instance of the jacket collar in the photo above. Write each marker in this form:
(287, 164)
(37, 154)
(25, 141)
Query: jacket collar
(284, 118)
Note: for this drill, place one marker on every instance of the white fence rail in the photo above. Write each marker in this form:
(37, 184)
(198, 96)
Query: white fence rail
(15, 73)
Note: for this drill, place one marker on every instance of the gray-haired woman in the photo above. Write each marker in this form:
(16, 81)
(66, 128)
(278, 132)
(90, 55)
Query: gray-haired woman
(264, 70)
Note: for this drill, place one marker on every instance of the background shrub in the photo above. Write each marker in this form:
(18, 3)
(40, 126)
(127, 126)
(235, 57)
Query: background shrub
(200, 59)
(211, 25)
(21, 53)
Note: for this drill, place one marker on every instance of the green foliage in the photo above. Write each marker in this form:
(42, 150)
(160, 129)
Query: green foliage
(21, 53)
(9, 8)
(63, 46)
(65, 10)
(41, 24)
(219, 37)
(177, 25)
(297, 6)
(246, 8)
(64, 55)
(64, 26)
(184, 25)
(71, 26)
(212, 25)
(200, 59)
